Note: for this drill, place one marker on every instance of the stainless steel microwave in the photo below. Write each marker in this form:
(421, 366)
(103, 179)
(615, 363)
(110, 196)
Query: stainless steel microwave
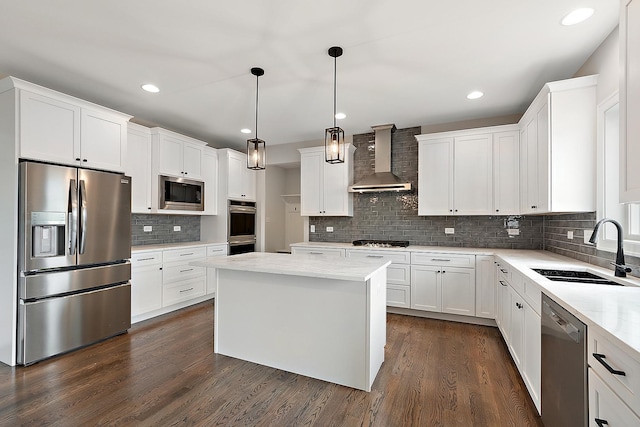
(181, 194)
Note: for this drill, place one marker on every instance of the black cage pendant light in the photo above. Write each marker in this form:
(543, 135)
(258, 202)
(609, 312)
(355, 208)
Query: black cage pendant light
(334, 137)
(256, 150)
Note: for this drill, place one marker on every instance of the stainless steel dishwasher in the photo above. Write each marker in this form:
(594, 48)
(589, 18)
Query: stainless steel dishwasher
(564, 393)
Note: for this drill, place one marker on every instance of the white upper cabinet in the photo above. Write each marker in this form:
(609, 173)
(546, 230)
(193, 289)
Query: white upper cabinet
(177, 155)
(58, 128)
(210, 177)
(506, 173)
(468, 172)
(139, 167)
(558, 148)
(324, 187)
(241, 182)
(629, 101)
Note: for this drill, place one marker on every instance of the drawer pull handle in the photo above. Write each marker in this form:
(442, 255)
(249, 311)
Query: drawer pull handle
(504, 271)
(146, 259)
(186, 254)
(375, 256)
(186, 290)
(441, 260)
(600, 358)
(216, 250)
(600, 422)
(316, 253)
(184, 271)
(502, 283)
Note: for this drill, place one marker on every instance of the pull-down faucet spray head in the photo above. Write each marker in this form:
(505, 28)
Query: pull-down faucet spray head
(621, 269)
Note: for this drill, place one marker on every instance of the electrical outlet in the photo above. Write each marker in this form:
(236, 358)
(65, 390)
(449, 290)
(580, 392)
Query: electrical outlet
(449, 230)
(147, 228)
(177, 228)
(513, 231)
(570, 235)
(312, 228)
(329, 229)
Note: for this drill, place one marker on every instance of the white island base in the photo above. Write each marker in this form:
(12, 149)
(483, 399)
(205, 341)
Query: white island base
(308, 318)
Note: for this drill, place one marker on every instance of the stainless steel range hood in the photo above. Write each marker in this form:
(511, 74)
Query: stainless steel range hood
(382, 179)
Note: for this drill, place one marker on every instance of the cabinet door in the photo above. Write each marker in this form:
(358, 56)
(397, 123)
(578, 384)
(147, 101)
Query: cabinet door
(139, 169)
(192, 161)
(210, 178)
(426, 292)
(435, 176)
(506, 172)
(458, 290)
(605, 405)
(516, 324)
(249, 184)
(49, 129)
(531, 354)
(629, 101)
(146, 289)
(311, 195)
(543, 148)
(335, 190)
(236, 187)
(504, 297)
(171, 160)
(103, 141)
(485, 287)
(530, 150)
(473, 175)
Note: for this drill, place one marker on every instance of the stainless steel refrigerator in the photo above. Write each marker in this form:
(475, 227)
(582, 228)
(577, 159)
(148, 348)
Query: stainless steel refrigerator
(74, 248)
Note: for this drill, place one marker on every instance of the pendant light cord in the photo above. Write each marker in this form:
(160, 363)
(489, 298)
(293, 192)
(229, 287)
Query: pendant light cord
(335, 91)
(257, 91)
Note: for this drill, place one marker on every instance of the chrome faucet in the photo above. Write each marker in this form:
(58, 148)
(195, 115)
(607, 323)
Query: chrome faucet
(621, 268)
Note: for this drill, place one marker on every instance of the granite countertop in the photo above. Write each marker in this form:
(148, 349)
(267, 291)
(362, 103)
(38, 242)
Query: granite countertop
(158, 247)
(324, 267)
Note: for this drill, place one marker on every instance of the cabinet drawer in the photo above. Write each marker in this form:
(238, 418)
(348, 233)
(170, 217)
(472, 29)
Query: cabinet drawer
(217, 250)
(145, 259)
(319, 251)
(184, 254)
(434, 258)
(181, 271)
(182, 291)
(605, 405)
(626, 386)
(397, 257)
(532, 294)
(504, 271)
(399, 274)
(399, 296)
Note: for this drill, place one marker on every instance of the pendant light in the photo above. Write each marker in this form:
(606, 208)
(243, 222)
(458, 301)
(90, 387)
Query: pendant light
(334, 137)
(256, 150)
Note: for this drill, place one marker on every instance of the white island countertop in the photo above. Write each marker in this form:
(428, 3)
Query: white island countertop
(298, 265)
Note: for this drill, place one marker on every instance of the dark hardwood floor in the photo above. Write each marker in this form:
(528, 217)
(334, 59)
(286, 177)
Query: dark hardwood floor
(164, 372)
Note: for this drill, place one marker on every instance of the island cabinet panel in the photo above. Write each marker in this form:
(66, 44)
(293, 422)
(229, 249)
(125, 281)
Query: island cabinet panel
(629, 101)
(324, 187)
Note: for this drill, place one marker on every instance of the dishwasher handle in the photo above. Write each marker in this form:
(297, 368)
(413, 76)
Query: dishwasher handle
(569, 328)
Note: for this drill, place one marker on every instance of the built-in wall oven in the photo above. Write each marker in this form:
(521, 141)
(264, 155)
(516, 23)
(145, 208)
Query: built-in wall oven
(242, 227)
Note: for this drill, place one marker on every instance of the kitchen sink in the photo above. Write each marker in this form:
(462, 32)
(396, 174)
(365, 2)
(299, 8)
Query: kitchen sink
(573, 276)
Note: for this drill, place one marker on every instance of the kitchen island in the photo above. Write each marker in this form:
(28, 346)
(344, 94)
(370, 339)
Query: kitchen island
(317, 316)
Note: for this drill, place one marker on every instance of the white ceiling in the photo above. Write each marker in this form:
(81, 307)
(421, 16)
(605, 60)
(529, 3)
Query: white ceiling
(408, 62)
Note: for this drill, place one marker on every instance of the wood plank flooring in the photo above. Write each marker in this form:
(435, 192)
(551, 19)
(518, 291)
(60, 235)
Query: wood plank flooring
(164, 372)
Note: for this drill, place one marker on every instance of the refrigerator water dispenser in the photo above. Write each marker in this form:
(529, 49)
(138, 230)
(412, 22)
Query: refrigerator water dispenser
(47, 230)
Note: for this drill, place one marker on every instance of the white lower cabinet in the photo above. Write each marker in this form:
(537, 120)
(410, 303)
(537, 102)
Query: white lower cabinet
(444, 283)
(485, 286)
(146, 282)
(214, 251)
(398, 273)
(180, 280)
(606, 408)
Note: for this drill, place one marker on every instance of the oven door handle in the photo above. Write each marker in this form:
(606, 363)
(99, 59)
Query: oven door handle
(242, 209)
(242, 242)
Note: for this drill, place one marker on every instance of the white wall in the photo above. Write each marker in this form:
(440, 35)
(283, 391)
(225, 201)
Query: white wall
(605, 61)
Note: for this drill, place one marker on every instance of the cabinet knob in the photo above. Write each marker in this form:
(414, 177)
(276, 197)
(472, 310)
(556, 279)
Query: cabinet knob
(450, 210)
(77, 159)
(443, 271)
(456, 210)
(149, 208)
(497, 210)
(533, 207)
(84, 160)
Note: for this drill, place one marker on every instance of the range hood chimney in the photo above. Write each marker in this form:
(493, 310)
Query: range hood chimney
(382, 179)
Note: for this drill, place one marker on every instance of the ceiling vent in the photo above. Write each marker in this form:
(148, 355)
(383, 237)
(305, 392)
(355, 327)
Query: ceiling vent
(382, 179)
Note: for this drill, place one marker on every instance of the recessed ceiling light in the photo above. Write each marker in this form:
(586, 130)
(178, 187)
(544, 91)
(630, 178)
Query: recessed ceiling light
(245, 130)
(150, 88)
(577, 16)
(475, 94)
(341, 116)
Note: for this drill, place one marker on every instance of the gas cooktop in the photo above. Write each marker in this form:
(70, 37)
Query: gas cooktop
(381, 243)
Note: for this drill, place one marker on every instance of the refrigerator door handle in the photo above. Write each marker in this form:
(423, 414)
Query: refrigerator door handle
(73, 217)
(83, 217)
